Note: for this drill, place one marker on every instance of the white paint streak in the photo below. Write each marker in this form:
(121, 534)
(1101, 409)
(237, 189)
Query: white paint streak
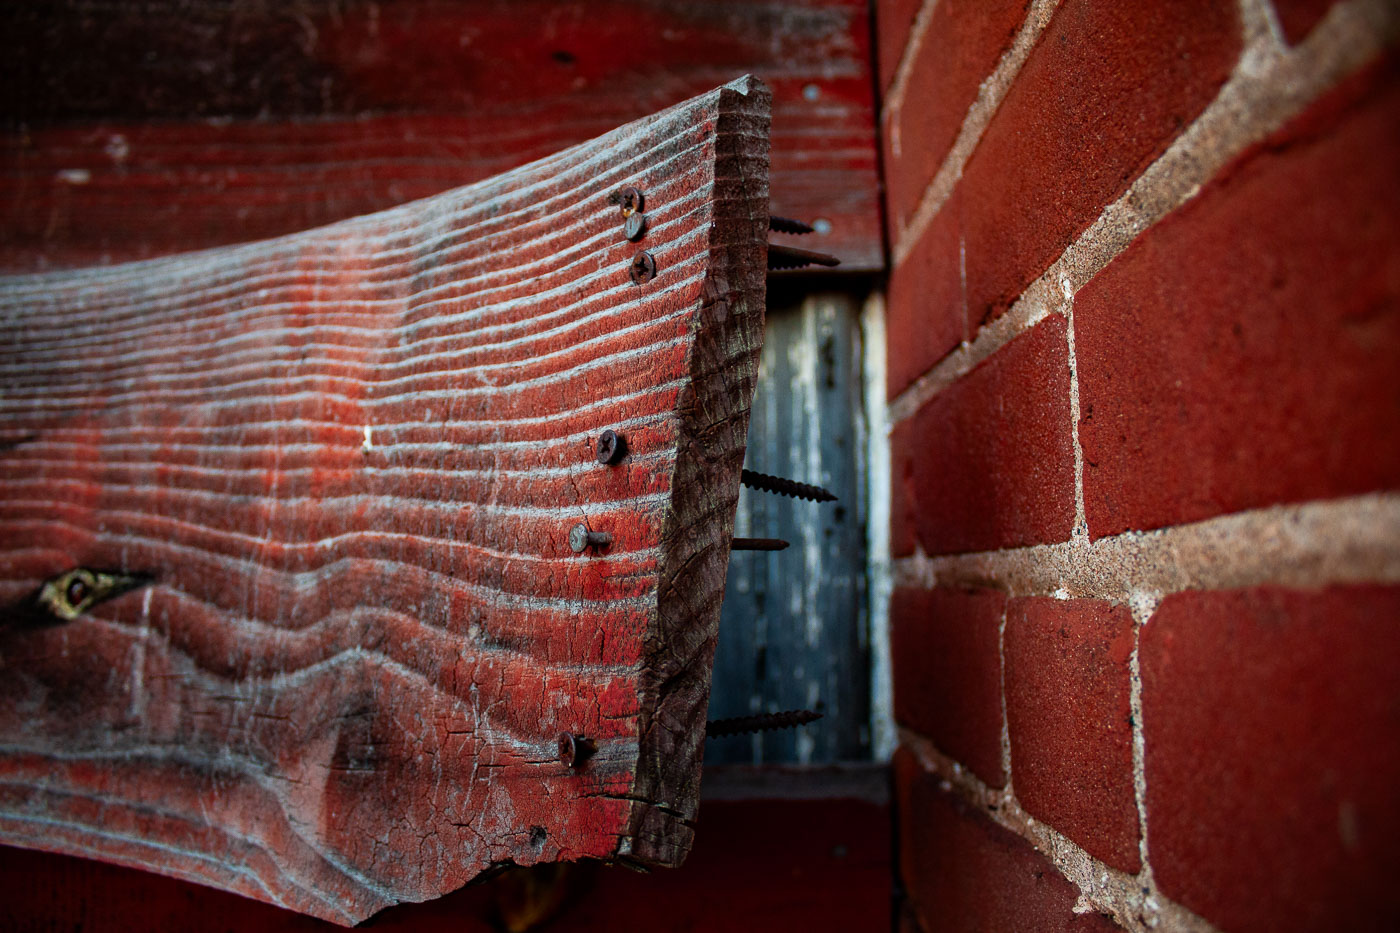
(879, 573)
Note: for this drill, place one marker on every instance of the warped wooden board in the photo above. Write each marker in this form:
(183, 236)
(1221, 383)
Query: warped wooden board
(344, 467)
(143, 129)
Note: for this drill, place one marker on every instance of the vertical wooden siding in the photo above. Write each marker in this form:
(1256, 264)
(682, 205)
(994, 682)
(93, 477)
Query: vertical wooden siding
(135, 130)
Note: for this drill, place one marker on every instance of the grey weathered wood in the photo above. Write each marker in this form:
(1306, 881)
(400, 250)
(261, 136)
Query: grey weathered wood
(794, 623)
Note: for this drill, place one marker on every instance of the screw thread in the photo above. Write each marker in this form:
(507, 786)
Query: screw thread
(787, 225)
(785, 487)
(790, 257)
(761, 722)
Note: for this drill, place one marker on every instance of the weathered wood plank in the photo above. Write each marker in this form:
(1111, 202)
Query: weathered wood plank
(792, 631)
(342, 468)
(138, 130)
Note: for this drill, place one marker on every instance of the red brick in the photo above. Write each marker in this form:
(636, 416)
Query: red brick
(893, 19)
(1271, 719)
(1243, 351)
(902, 525)
(1298, 17)
(989, 462)
(927, 312)
(946, 646)
(1067, 693)
(1104, 92)
(962, 44)
(962, 872)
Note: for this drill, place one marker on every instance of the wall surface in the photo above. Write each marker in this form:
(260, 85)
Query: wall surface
(1144, 333)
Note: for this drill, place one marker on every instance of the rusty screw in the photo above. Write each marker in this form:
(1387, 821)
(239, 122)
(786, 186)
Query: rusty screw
(575, 750)
(762, 722)
(629, 200)
(612, 447)
(78, 590)
(785, 487)
(643, 268)
(581, 539)
(635, 225)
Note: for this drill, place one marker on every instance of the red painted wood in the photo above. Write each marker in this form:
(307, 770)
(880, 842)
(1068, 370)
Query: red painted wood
(350, 460)
(145, 129)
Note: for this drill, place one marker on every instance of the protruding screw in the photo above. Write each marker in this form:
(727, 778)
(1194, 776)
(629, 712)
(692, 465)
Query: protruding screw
(581, 539)
(788, 225)
(612, 447)
(762, 722)
(643, 268)
(785, 487)
(790, 257)
(635, 225)
(575, 750)
(758, 544)
(69, 595)
(628, 199)
(78, 590)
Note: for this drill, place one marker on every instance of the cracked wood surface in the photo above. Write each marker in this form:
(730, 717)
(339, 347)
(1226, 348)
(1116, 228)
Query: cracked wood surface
(348, 461)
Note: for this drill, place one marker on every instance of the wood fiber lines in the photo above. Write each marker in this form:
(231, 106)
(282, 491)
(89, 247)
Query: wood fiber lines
(348, 462)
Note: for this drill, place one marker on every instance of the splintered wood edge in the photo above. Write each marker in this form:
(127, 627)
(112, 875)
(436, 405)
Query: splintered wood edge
(714, 416)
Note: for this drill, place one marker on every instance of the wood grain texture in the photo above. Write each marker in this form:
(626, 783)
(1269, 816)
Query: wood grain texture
(349, 460)
(137, 130)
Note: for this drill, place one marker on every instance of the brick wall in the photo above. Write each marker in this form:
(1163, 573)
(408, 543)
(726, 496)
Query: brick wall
(1144, 395)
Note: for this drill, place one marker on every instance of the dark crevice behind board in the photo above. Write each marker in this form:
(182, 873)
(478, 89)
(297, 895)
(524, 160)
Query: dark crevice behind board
(794, 622)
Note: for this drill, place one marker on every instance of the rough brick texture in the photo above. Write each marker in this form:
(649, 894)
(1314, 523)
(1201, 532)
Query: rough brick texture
(927, 306)
(1243, 351)
(946, 646)
(1067, 703)
(1298, 17)
(1105, 91)
(893, 20)
(989, 462)
(961, 46)
(962, 872)
(1271, 719)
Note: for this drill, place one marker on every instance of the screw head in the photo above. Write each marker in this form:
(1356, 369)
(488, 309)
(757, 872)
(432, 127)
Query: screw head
(629, 200)
(581, 539)
(77, 591)
(643, 268)
(635, 225)
(612, 447)
(575, 750)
